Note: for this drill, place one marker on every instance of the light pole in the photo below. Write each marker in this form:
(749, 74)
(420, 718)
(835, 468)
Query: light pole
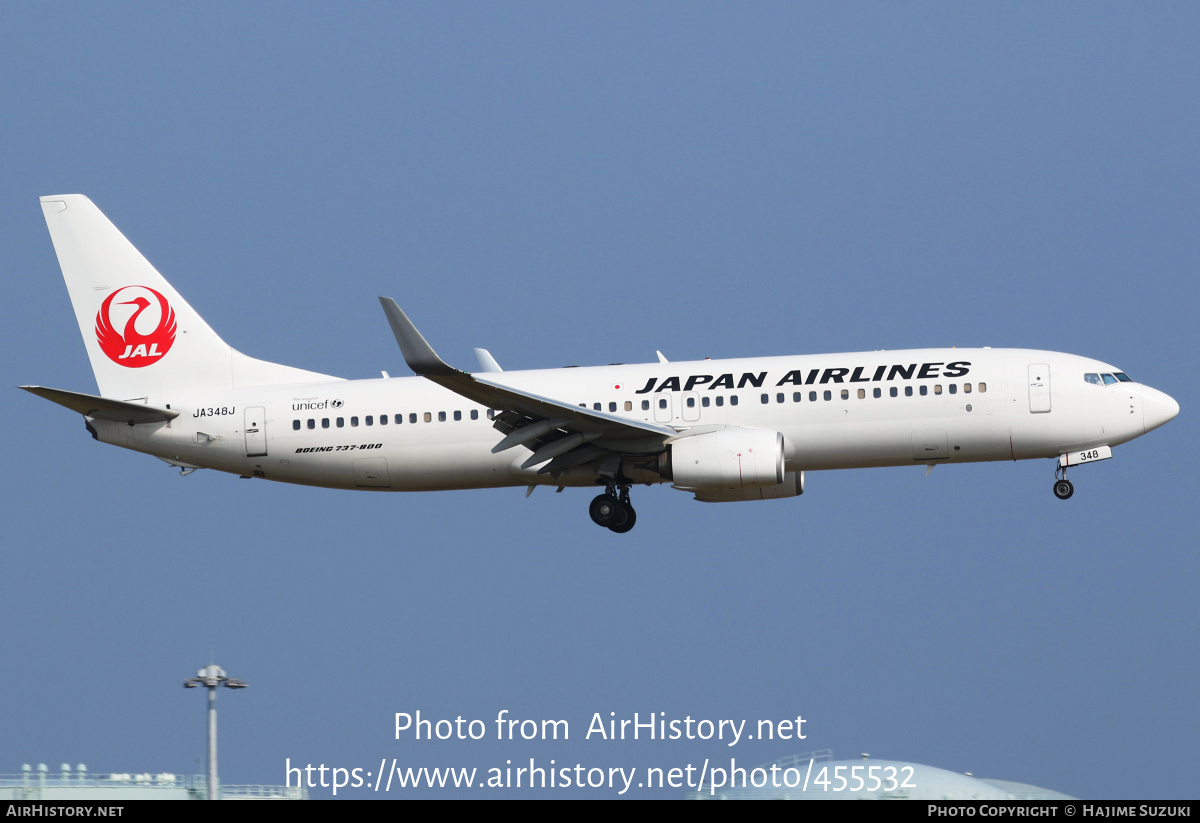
(212, 676)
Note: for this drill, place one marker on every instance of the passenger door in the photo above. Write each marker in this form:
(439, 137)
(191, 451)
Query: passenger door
(256, 431)
(1039, 388)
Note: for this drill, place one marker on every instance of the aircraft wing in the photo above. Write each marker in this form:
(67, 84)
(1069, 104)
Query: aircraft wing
(556, 430)
(102, 408)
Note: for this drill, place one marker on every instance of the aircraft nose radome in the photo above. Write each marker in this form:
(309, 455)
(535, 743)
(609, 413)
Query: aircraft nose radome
(1158, 408)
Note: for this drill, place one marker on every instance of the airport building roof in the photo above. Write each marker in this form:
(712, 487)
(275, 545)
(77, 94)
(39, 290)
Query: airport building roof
(39, 783)
(817, 776)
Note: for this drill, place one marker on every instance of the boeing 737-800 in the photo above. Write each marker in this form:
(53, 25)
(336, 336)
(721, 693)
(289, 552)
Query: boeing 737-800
(724, 430)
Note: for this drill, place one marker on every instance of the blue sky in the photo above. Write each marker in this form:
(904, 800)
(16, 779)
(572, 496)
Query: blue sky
(583, 184)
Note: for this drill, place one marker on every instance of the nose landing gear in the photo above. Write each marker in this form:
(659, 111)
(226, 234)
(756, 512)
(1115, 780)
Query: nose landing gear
(1063, 488)
(612, 510)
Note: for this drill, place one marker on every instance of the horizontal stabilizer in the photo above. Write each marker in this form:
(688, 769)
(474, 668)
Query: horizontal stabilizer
(102, 408)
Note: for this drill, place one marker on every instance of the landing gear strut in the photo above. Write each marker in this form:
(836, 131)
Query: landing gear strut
(612, 510)
(1063, 488)
(630, 514)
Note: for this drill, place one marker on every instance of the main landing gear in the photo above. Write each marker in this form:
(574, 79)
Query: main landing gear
(613, 511)
(1063, 488)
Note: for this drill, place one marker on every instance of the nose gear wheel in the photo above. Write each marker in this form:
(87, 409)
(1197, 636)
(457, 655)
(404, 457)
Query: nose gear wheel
(1063, 488)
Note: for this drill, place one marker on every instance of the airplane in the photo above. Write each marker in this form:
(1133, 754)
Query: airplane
(722, 430)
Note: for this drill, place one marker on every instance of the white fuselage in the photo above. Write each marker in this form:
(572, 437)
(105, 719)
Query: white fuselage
(835, 411)
(723, 430)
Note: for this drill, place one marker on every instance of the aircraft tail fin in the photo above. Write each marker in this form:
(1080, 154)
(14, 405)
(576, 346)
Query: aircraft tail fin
(142, 337)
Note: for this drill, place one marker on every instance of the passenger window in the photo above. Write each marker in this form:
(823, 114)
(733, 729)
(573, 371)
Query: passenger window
(812, 395)
(779, 397)
(937, 388)
(954, 388)
(458, 415)
(312, 424)
(878, 392)
(766, 398)
(399, 419)
(893, 391)
(412, 418)
(645, 405)
(370, 421)
(341, 422)
(612, 407)
(595, 407)
(720, 400)
(428, 417)
(441, 417)
(966, 388)
(691, 402)
(383, 421)
(828, 394)
(982, 388)
(1093, 378)
(296, 425)
(324, 422)
(924, 390)
(704, 401)
(845, 394)
(662, 402)
(862, 394)
(733, 400)
(908, 391)
(474, 414)
(491, 414)
(353, 421)
(629, 405)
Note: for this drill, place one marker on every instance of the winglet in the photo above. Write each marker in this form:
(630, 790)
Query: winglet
(418, 354)
(487, 363)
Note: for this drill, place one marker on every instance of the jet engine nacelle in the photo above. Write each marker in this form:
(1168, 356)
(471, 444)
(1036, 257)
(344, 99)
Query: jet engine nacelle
(792, 486)
(738, 457)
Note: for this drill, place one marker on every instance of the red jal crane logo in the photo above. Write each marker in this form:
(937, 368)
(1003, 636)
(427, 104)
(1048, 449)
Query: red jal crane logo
(130, 347)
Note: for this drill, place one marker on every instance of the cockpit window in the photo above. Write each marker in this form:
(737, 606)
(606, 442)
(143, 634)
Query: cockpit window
(1093, 378)
(1108, 379)
(1123, 377)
